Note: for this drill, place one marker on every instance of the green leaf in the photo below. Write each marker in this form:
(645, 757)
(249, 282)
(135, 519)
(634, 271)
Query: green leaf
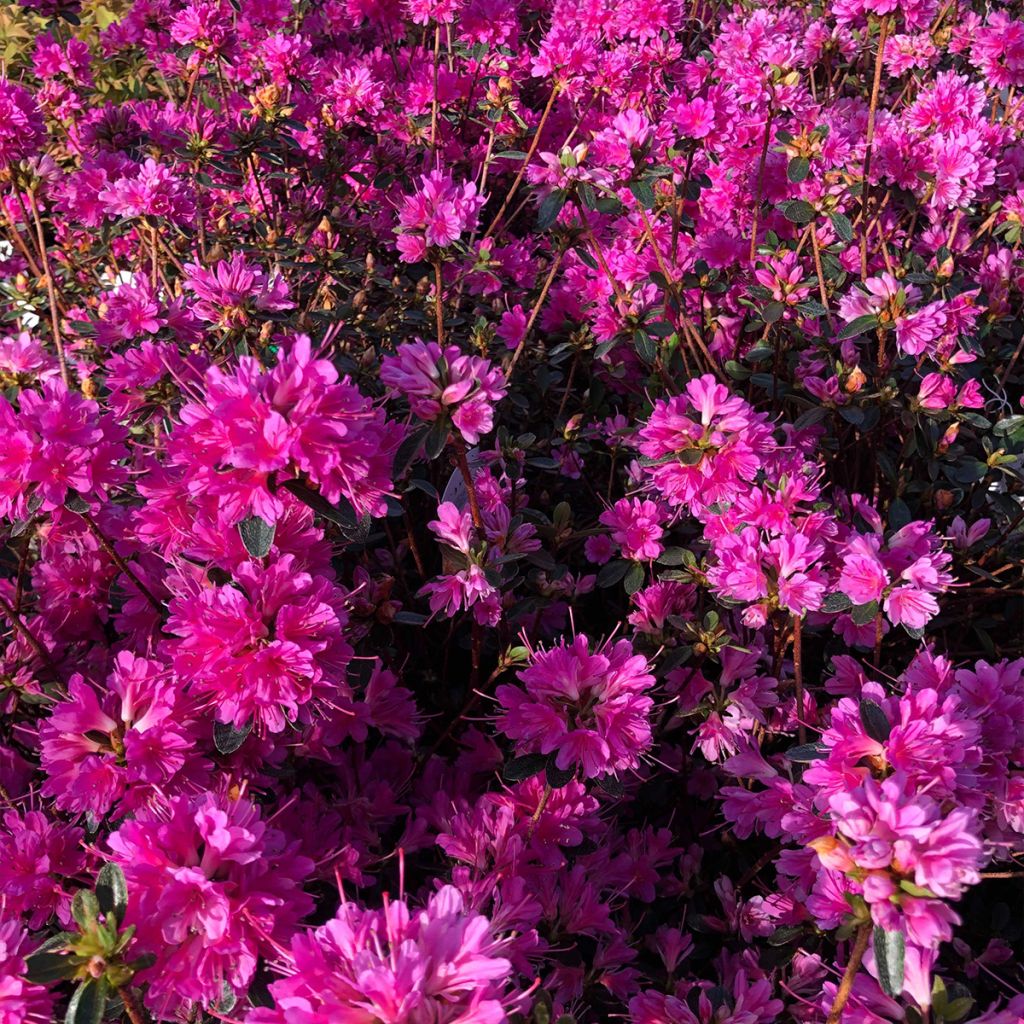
(611, 573)
(642, 193)
(227, 739)
(874, 719)
(837, 602)
(677, 556)
(557, 777)
(899, 514)
(646, 347)
(49, 962)
(112, 891)
(805, 753)
(74, 502)
(634, 578)
(88, 1002)
(799, 212)
(437, 437)
(342, 513)
(408, 450)
(890, 949)
(858, 326)
(784, 935)
(842, 225)
(524, 767)
(550, 207)
(798, 169)
(772, 312)
(257, 535)
(862, 614)
(610, 784)
(918, 891)
(1010, 425)
(227, 1001)
(85, 909)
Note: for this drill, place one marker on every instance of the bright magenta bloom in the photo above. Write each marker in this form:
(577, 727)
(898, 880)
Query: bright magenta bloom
(438, 383)
(212, 888)
(589, 707)
(702, 445)
(395, 965)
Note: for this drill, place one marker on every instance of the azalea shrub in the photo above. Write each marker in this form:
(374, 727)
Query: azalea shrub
(512, 511)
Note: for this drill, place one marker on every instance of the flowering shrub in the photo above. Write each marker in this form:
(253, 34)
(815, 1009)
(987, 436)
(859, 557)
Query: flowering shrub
(512, 512)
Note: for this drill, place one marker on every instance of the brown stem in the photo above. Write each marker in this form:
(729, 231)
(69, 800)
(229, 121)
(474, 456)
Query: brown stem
(132, 1006)
(821, 274)
(869, 137)
(433, 104)
(438, 303)
(535, 311)
(555, 90)
(760, 181)
(878, 640)
(684, 324)
(26, 634)
(860, 945)
(51, 292)
(542, 804)
(108, 547)
(798, 675)
(459, 445)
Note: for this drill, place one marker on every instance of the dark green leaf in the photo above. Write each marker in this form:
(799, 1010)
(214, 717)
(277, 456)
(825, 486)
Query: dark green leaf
(782, 936)
(634, 578)
(1010, 425)
(677, 556)
(49, 963)
(646, 347)
(610, 784)
(899, 514)
(772, 312)
(858, 326)
(837, 602)
(875, 722)
(408, 450)
(889, 954)
(88, 1003)
(524, 767)
(84, 908)
(807, 752)
(46, 968)
(550, 207)
(862, 614)
(642, 193)
(112, 891)
(557, 777)
(798, 169)
(227, 739)
(74, 502)
(842, 225)
(257, 535)
(799, 212)
(407, 618)
(437, 437)
(611, 573)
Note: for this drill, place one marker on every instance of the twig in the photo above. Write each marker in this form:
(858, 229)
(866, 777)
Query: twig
(860, 945)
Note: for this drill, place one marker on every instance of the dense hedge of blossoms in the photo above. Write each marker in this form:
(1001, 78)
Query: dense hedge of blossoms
(512, 511)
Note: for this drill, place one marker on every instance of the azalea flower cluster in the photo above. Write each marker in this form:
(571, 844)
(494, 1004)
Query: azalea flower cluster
(512, 512)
